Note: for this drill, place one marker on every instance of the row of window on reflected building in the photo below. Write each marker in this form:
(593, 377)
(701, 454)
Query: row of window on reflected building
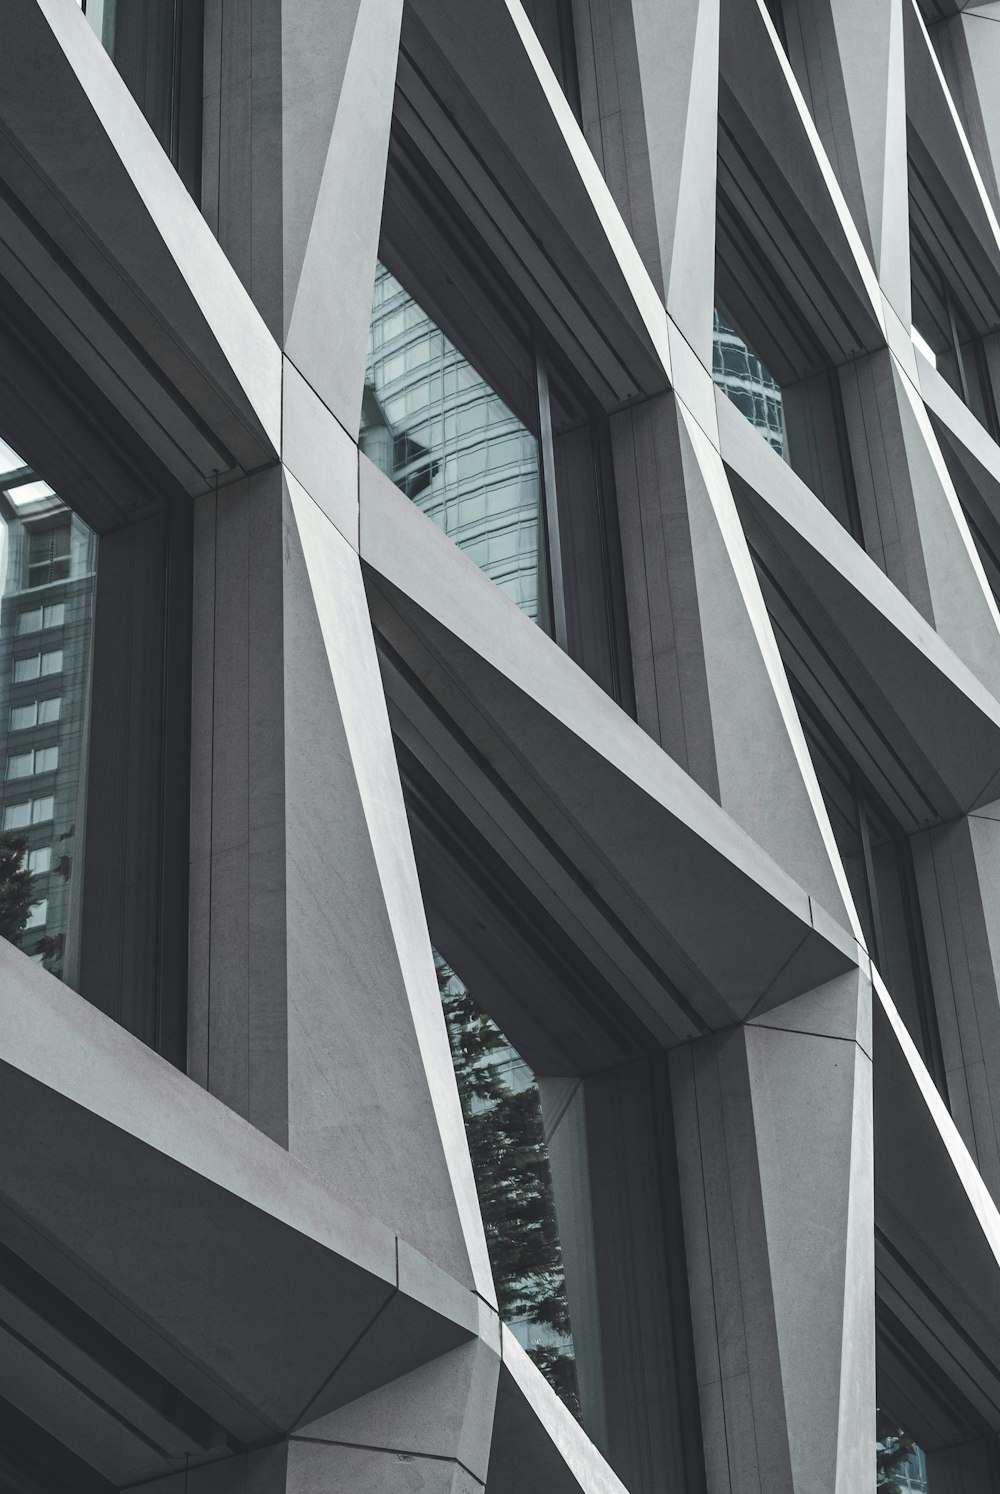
(48, 568)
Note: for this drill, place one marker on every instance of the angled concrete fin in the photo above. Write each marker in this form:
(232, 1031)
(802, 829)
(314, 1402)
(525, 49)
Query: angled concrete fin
(849, 56)
(441, 1411)
(372, 1088)
(331, 234)
(109, 197)
(538, 1445)
(769, 136)
(713, 689)
(913, 521)
(678, 59)
(774, 1145)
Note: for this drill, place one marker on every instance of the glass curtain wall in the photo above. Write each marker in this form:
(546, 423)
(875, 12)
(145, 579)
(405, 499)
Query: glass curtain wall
(801, 421)
(503, 1122)
(48, 572)
(451, 444)
(946, 337)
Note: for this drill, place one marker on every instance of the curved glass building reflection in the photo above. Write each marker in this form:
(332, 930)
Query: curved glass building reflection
(444, 437)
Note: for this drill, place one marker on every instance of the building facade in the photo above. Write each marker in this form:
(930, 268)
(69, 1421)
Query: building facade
(499, 747)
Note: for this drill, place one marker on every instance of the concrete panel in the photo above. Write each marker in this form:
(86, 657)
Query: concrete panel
(774, 1146)
(328, 303)
(173, 285)
(319, 453)
(538, 1446)
(443, 1410)
(848, 55)
(319, 1467)
(250, 1282)
(365, 1020)
(958, 871)
(548, 731)
(913, 522)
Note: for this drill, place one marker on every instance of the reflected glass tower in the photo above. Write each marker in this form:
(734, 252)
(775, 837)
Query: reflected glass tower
(48, 567)
(439, 431)
(742, 377)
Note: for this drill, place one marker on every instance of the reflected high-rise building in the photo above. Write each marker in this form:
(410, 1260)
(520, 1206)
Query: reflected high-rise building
(433, 425)
(48, 563)
(742, 377)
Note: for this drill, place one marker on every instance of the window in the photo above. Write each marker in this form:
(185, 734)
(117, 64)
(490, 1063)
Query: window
(25, 764)
(48, 555)
(503, 1121)
(34, 619)
(29, 812)
(802, 421)
(44, 544)
(33, 666)
(900, 1466)
(944, 336)
(35, 713)
(879, 867)
(446, 439)
(151, 43)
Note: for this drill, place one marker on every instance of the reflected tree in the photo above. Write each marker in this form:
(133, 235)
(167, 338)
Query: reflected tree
(510, 1161)
(17, 887)
(893, 1450)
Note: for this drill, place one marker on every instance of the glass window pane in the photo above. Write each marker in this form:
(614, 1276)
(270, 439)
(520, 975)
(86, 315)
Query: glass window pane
(801, 421)
(43, 544)
(30, 620)
(900, 1466)
(503, 1122)
(24, 716)
(440, 432)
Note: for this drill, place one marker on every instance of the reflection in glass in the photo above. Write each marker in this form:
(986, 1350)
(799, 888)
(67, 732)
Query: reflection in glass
(879, 867)
(140, 36)
(900, 1466)
(945, 335)
(503, 1122)
(742, 377)
(800, 421)
(48, 561)
(438, 430)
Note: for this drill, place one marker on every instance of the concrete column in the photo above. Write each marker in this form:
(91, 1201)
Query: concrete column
(958, 876)
(774, 1137)
(297, 107)
(913, 523)
(430, 1430)
(314, 1008)
(649, 86)
(709, 683)
(848, 57)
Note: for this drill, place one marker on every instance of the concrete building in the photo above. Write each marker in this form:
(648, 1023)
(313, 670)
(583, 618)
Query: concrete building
(491, 625)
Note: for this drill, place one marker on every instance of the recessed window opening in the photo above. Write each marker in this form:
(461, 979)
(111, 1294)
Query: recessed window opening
(878, 863)
(803, 422)
(48, 572)
(553, 24)
(900, 1465)
(156, 46)
(944, 336)
(448, 441)
(503, 1121)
